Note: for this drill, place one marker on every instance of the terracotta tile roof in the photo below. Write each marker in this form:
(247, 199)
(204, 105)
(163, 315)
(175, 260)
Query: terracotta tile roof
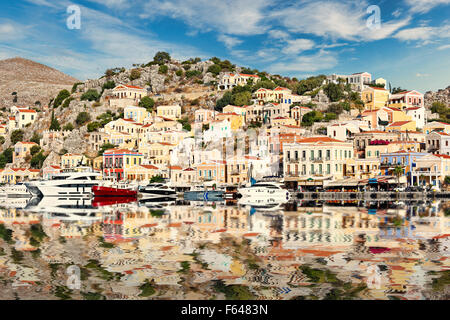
(319, 139)
(442, 156)
(175, 167)
(27, 110)
(398, 123)
(149, 166)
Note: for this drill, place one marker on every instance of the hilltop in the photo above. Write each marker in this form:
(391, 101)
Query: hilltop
(33, 82)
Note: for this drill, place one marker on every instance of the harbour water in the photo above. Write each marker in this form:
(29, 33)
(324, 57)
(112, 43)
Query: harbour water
(74, 249)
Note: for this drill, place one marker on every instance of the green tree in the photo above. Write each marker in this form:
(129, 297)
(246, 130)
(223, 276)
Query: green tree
(179, 73)
(147, 103)
(157, 179)
(16, 136)
(67, 102)
(163, 69)
(135, 74)
(82, 118)
(161, 57)
(105, 147)
(311, 117)
(68, 127)
(334, 92)
(242, 98)
(330, 116)
(185, 123)
(93, 126)
(447, 180)
(215, 69)
(109, 85)
(38, 160)
(90, 95)
(75, 86)
(192, 73)
(224, 101)
(62, 95)
(2, 140)
(54, 123)
(34, 150)
(398, 172)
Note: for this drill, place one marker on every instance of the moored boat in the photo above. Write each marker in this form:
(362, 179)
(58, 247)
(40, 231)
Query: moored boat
(102, 191)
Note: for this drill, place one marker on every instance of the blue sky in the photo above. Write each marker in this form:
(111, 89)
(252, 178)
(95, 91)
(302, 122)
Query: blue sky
(411, 47)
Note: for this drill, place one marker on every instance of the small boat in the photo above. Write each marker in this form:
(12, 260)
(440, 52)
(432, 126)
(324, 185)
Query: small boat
(102, 191)
(199, 193)
(157, 191)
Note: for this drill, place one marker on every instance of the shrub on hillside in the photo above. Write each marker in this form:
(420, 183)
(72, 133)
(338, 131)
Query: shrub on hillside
(90, 95)
(82, 118)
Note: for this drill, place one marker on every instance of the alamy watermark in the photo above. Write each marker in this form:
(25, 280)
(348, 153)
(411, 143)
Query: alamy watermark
(74, 19)
(374, 21)
(74, 280)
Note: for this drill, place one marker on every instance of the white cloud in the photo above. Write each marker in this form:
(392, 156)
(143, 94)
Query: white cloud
(46, 3)
(298, 45)
(229, 42)
(336, 20)
(423, 33)
(322, 60)
(422, 75)
(444, 47)
(10, 31)
(112, 3)
(278, 34)
(423, 6)
(237, 17)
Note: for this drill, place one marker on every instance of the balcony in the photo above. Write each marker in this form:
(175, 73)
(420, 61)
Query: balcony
(317, 159)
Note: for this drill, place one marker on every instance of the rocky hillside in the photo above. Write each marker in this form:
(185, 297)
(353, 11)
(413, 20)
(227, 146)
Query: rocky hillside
(31, 81)
(442, 95)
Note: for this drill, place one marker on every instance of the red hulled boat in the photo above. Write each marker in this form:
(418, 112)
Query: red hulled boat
(100, 191)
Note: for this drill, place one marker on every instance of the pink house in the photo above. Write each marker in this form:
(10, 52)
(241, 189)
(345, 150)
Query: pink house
(407, 99)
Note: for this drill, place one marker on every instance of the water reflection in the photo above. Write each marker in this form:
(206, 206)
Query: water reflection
(199, 250)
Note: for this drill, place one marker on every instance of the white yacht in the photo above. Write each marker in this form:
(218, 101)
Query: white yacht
(265, 192)
(66, 185)
(15, 191)
(157, 191)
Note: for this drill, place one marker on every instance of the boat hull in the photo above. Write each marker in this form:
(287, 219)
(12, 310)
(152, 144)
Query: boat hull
(109, 192)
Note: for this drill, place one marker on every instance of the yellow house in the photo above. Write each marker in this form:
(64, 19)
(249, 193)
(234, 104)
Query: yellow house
(375, 150)
(396, 115)
(211, 171)
(122, 140)
(16, 175)
(374, 98)
(402, 126)
(72, 160)
(170, 112)
(97, 163)
(137, 114)
(436, 126)
(117, 162)
(236, 120)
(165, 124)
(157, 153)
(142, 173)
(283, 121)
(125, 126)
(22, 150)
(362, 168)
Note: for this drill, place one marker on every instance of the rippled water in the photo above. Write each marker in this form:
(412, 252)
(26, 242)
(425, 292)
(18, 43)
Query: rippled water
(73, 250)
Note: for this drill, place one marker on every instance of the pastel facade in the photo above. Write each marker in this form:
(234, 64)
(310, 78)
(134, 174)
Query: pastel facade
(436, 126)
(317, 157)
(358, 81)
(402, 126)
(22, 150)
(230, 80)
(126, 95)
(142, 173)
(169, 112)
(137, 114)
(116, 162)
(407, 99)
(374, 98)
(73, 160)
(17, 175)
(438, 143)
(431, 170)
(404, 159)
(22, 117)
(417, 114)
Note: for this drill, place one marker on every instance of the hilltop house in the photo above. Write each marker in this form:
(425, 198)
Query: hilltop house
(230, 80)
(21, 117)
(170, 112)
(406, 99)
(438, 143)
(374, 98)
(126, 95)
(22, 150)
